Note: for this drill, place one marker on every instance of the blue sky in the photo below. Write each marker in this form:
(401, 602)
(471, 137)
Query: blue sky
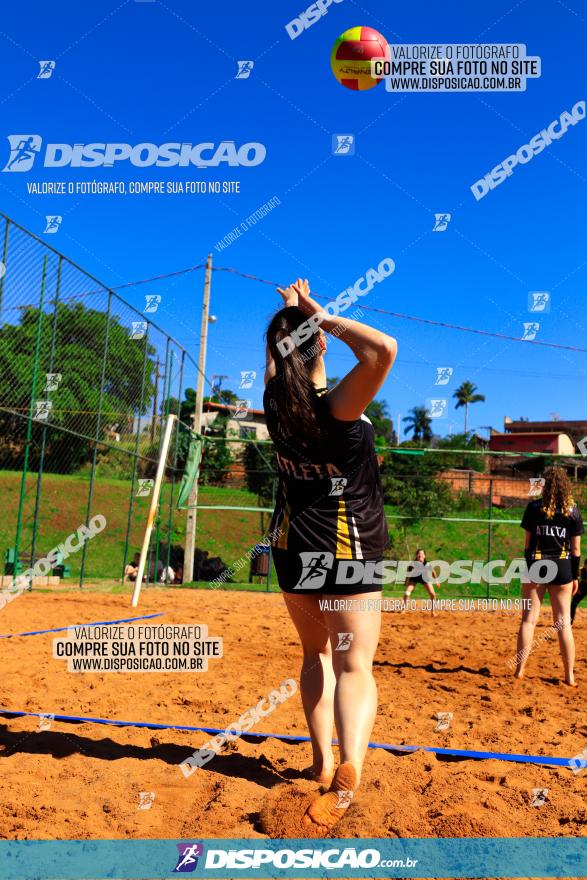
(155, 72)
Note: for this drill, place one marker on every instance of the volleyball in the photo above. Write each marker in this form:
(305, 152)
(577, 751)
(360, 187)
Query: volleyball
(351, 57)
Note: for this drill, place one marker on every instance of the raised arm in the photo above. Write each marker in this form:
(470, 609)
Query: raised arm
(375, 353)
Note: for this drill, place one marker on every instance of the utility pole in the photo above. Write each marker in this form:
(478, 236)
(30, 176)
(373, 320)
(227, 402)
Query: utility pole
(216, 389)
(158, 376)
(190, 534)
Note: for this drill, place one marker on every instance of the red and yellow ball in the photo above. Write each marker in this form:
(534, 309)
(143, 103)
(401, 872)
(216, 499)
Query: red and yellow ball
(351, 57)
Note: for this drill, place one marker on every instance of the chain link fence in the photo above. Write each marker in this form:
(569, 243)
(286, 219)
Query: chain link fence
(86, 381)
(454, 506)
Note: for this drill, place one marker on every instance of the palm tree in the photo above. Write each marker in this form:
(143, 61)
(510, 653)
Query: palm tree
(466, 394)
(420, 423)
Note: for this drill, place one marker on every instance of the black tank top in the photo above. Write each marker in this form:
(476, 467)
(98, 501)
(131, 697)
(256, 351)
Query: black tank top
(551, 538)
(329, 496)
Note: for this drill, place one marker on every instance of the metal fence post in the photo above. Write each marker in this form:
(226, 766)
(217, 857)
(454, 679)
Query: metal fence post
(167, 375)
(270, 561)
(97, 437)
(44, 433)
(174, 469)
(135, 456)
(29, 433)
(489, 521)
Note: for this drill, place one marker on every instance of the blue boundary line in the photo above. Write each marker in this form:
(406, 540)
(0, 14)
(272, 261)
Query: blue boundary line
(460, 753)
(40, 632)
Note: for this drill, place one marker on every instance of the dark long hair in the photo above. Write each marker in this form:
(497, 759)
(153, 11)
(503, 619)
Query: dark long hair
(292, 388)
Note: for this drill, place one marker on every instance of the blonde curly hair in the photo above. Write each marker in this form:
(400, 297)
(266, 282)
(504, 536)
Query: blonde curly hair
(557, 492)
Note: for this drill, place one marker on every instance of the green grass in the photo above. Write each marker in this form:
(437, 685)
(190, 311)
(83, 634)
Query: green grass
(228, 534)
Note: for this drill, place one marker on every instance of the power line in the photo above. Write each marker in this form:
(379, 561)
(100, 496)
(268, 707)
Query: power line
(420, 320)
(400, 315)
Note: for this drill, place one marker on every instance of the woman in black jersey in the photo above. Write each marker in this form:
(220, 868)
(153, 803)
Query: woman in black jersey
(329, 527)
(553, 527)
(425, 577)
(581, 592)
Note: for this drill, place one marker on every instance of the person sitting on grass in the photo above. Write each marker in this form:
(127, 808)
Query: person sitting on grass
(132, 569)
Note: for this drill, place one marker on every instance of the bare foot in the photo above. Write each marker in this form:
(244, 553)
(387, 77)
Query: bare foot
(321, 771)
(570, 684)
(329, 808)
(323, 777)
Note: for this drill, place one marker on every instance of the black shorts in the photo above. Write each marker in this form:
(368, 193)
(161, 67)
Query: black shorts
(564, 572)
(319, 573)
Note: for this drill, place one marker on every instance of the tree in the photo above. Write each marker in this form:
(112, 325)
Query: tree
(378, 414)
(410, 486)
(259, 462)
(80, 335)
(419, 423)
(465, 395)
(461, 459)
(217, 456)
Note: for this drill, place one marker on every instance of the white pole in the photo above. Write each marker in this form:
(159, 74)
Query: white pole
(190, 530)
(153, 509)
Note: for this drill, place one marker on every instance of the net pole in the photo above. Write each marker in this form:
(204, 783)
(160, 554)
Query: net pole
(490, 517)
(153, 509)
(190, 534)
(29, 431)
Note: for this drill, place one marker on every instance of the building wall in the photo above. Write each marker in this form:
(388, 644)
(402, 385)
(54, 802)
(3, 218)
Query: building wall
(479, 484)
